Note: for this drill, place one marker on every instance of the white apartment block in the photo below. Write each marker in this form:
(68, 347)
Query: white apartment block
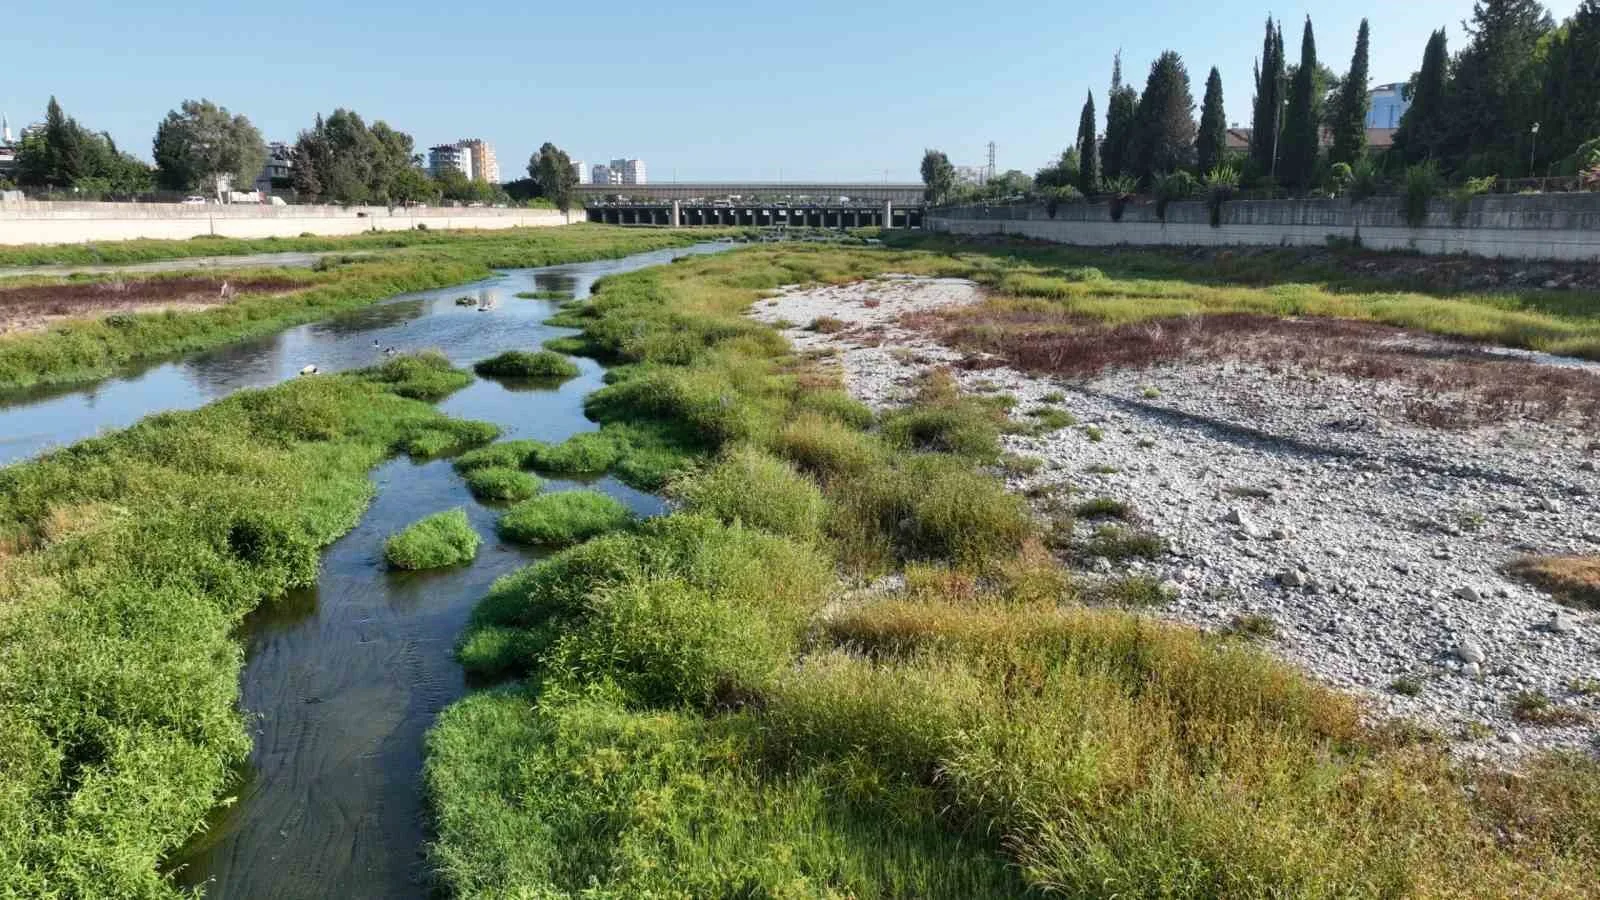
(580, 170)
(450, 156)
(631, 171)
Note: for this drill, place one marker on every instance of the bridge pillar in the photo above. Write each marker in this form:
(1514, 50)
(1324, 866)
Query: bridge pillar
(677, 220)
(888, 214)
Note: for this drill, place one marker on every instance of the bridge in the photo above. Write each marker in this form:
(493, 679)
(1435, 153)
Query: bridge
(898, 193)
(758, 204)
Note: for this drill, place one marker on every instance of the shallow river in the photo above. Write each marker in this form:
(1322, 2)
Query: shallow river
(342, 681)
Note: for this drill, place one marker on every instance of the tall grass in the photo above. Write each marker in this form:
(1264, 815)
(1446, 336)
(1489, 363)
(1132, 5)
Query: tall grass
(705, 710)
(129, 562)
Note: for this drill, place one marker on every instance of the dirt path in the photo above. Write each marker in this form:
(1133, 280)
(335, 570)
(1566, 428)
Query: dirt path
(1372, 546)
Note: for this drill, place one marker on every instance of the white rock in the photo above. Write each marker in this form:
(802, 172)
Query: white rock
(1561, 623)
(1469, 593)
(308, 370)
(1469, 651)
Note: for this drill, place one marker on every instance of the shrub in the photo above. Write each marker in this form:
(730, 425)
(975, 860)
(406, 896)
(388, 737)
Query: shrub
(826, 448)
(1170, 186)
(966, 428)
(1221, 183)
(1120, 190)
(1461, 197)
(827, 325)
(563, 518)
(1422, 183)
(502, 484)
(588, 453)
(523, 364)
(760, 490)
(1115, 543)
(442, 539)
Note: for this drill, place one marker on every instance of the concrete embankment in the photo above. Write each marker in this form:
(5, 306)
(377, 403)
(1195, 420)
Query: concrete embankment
(43, 222)
(1539, 226)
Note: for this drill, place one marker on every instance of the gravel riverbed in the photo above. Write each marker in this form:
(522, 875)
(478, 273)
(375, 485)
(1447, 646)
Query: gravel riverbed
(1376, 547)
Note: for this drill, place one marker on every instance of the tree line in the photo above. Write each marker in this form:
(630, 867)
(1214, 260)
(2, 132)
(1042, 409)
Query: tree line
(1521, 99)
(202, 147)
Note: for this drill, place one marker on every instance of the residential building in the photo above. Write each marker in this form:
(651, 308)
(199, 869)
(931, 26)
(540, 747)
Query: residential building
(484, 166)
(8, 151)
(450, 156)
(580, 170)
(278, 168)
(1388, 105)
(604, 174)
(628, 171)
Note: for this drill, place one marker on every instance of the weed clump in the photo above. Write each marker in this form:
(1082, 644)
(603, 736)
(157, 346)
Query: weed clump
(448, 436)
(543, 364)
(760, 490)
(442, 539)
(1573, 580)
(589, 453)
(503, 455)
(501, 484)
(563, 518)
(420, 376)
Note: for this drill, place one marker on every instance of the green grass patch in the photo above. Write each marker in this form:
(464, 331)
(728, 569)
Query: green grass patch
(442, 539)
(501, 455)
(760, 490)
(501, 484)
(566, 517)
(544, 295)
(589, 453)
(128, 563)
(543, 364)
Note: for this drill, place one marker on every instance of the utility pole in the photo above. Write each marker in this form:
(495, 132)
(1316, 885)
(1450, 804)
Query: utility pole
(990, 176)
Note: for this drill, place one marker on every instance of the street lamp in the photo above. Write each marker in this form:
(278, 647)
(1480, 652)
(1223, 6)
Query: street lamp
(1533, 147)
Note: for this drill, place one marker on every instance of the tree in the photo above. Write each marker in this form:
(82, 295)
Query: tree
(552, 168)
(412, 185)
(938, 176)
(1064, 172)
(1116, 156)
(1350, 109)
(1089, 169)
(1163, 126)
(202, 145)
(1571, 113)
(1494, 93)
(1267, 107)
(1211, 141)
(310, 158)
(64, 154)
(1302, 120)
(1423, 127)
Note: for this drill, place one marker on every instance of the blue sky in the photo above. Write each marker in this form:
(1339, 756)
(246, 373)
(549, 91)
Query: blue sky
(746, 90)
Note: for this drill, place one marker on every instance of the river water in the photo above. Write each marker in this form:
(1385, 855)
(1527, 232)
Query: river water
(342, 680)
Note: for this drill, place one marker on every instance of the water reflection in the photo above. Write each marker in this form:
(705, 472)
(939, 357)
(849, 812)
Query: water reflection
(342, 680)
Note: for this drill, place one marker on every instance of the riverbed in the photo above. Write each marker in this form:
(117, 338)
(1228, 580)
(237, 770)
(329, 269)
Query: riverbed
(343, 680)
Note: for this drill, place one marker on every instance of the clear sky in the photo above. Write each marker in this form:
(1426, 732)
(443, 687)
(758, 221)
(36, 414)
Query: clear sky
(748, 90)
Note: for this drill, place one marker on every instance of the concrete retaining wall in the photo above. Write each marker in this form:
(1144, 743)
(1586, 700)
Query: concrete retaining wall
(42, 222)
(1542, 226)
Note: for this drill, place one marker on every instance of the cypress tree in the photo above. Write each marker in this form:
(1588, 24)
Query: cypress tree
(1265, 110)
(1350, 113)
(1089, 158)
(1297, 155)
(1422, 128)
(1211, 142)
(1115, 154)
(1571, 92)
(1164, 123)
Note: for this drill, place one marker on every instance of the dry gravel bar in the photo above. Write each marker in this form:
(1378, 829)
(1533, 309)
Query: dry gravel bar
(1375, 545)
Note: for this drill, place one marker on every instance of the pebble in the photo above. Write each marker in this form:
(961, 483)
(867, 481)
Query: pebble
(1390, 495)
